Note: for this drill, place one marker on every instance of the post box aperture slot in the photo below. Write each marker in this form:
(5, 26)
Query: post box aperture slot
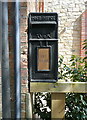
(43, 31)
(43, 59)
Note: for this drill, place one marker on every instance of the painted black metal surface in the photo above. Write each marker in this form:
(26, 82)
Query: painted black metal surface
(43, 36)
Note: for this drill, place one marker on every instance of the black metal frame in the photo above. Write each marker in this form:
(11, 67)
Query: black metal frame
(33, 59)
(35, 43)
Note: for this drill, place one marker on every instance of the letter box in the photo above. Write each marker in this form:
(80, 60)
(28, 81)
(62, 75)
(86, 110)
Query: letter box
(43, 47)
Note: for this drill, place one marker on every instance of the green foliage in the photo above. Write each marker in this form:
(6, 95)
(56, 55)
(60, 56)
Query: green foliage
(76, 106)
(43, 105)
(75, 71)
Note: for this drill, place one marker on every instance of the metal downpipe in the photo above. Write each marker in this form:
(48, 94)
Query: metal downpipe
(17, 61)
(6, 108)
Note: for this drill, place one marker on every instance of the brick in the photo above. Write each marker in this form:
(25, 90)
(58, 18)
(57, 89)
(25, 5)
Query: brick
(23, 4)
(24, 89)
(23, 105)
(23, 97)
(24, 82)
(24, 72)
(23, 114)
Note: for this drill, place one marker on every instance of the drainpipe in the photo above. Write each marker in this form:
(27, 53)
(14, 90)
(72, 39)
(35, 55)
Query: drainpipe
(0, 46)
(0, 33)
(6, 108)
(17, 61)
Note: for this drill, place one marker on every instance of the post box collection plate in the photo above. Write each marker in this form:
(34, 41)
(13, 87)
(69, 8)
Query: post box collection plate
(43, 59)
(43, 47)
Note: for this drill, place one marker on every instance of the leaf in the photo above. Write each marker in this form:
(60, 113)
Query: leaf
(73, 57)
(85, 52)
(85, 40)
(85, 57)
(85, 47)
(73, 64)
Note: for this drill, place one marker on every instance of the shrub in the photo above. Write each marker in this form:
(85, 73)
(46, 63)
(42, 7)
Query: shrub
(76, 104)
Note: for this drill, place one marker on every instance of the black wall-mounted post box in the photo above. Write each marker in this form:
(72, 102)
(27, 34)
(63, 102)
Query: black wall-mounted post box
(43, 47)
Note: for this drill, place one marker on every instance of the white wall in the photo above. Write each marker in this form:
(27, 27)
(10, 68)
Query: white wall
(69, 12)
